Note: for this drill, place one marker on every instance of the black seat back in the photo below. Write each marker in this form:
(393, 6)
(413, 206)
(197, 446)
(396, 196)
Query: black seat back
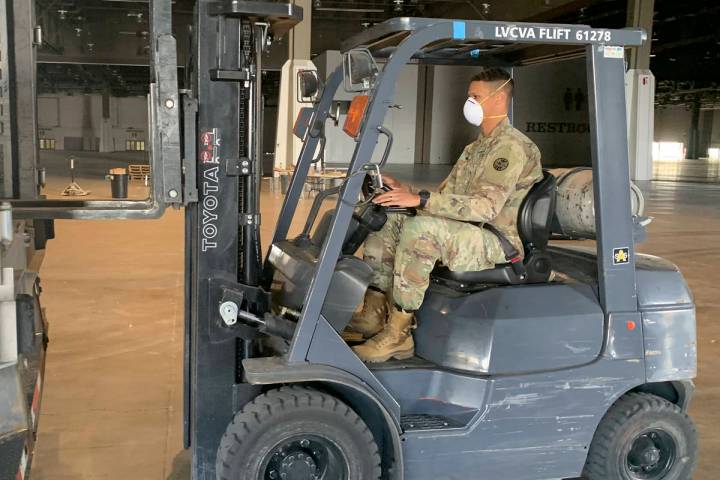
(536, 213)
(534, 224)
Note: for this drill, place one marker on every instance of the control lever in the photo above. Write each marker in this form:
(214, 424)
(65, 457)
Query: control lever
(388, 145)
(409, 211)
(380, 187)
(386, 154)
(377, 177)
(269, 324)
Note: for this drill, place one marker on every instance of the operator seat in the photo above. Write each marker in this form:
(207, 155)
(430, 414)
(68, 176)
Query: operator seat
(534, 225)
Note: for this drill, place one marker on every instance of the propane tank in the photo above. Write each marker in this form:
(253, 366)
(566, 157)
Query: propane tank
(575, 209)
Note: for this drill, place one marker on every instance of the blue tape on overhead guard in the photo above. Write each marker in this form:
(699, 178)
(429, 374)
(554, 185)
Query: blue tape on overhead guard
(458, 30)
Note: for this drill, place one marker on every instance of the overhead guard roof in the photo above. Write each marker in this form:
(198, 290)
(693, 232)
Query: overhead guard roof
(473, 42)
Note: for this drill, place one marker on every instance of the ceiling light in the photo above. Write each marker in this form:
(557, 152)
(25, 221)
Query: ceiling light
(62, 13)
(398, 5)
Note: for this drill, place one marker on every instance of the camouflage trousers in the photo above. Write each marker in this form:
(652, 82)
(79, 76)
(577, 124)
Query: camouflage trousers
(405, 251)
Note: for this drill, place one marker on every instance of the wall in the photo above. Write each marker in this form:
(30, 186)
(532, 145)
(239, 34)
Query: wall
(672, 124)
(551, 108)
(561, 133)
(79, 120)
(400, 121)
(715, 137)
(540, 112)
(449, 132)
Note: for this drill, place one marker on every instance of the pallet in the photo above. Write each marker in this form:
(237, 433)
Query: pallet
(139, 172)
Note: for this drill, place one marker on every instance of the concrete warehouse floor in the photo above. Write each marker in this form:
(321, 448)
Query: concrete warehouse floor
(113, 293)
(90, 171)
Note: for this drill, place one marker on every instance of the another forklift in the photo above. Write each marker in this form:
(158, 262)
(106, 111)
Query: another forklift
(580, 362)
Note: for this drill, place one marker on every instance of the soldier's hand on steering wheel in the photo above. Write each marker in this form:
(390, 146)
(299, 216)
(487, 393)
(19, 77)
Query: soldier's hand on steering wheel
(394, 183)
(398, 198)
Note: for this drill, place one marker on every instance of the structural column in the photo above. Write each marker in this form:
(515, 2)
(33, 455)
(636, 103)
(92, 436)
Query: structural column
(288, 146)
(6, 118)
(640, 93)
(23, 98)
(299, 36)
(640, 15)
(693, 150)
(106, 138)
(706, 130)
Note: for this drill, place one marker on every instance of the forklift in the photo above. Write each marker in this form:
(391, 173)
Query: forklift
(577, 363)
(518, 373)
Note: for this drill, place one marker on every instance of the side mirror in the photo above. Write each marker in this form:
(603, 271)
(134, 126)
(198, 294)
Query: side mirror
(359, 69)
(339, 107)
(308, 84)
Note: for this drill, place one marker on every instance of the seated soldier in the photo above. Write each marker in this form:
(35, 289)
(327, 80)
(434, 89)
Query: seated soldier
(487, 185)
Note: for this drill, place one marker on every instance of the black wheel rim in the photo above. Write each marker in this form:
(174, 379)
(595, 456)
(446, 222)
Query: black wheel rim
(304, 457)
(651, 455)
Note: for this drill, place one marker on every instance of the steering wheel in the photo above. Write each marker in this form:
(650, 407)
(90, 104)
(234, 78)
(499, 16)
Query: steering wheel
(371, 190)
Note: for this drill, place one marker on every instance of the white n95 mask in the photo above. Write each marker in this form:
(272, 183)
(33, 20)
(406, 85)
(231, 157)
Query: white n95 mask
(473, 109)
(473, 112)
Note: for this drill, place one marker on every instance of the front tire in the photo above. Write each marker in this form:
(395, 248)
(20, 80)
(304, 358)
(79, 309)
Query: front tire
(301, 433)
(643, 437)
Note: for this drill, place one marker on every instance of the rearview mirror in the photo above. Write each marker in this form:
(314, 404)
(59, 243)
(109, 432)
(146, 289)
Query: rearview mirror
(308, 84)
(359, 69)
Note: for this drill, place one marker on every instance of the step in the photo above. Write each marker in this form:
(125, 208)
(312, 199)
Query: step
(414, 422)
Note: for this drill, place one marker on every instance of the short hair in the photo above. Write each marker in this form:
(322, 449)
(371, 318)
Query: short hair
(496, 75)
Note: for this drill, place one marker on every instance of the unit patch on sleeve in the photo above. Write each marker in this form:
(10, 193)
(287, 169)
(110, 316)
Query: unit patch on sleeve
(501, 164)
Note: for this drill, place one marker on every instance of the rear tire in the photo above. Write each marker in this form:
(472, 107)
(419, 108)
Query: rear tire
(643, 437)
(301, 432)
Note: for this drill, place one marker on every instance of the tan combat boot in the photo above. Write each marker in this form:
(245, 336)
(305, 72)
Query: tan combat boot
(395, 341)
(371, 319)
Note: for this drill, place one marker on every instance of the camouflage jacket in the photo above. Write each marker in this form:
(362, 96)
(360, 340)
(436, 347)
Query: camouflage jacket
(489, 181)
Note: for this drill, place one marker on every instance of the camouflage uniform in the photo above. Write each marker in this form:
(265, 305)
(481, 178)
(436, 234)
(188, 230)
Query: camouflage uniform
(487, 184)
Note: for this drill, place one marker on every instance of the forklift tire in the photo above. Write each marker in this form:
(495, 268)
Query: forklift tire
(297, 433)
(643, 437)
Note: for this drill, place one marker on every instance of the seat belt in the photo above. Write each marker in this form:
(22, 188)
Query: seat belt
(512, 256)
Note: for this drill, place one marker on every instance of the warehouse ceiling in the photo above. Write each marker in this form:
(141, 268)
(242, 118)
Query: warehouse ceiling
(103, 44)
(685, 56)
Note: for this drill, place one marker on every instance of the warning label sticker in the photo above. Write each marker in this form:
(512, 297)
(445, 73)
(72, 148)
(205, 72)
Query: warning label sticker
(613, 52)
(621, 256)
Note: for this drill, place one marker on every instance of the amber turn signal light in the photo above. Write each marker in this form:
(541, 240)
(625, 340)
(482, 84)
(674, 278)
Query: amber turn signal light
(355, 115)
